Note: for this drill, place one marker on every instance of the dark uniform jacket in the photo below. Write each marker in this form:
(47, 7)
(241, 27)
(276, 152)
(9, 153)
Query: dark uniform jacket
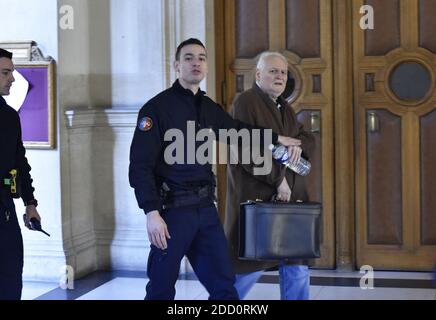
(257, 108)
(172, 109)
(12, 155)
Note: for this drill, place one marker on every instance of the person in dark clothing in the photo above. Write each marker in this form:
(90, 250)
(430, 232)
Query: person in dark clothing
(12, 158)
(178, 198)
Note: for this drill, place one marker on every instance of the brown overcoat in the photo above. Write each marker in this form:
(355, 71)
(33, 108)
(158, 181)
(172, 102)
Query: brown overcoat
(256, 108)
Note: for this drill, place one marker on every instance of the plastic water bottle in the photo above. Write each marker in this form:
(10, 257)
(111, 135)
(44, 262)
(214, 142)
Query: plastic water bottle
(280, 153)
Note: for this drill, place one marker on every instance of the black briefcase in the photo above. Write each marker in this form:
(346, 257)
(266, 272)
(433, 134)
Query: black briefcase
(279, 231)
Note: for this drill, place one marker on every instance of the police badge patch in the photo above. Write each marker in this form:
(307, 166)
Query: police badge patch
(145, 124)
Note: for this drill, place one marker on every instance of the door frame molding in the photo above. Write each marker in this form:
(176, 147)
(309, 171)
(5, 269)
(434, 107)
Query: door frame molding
(220, 63)
(344, 135)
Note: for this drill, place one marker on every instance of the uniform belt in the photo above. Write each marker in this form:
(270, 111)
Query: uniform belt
(185, 198)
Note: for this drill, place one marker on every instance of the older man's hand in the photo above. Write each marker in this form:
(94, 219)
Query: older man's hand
(284, 192)
(294, 154)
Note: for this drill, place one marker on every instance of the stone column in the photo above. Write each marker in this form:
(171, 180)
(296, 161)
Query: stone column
(111, 64)
(185, 19)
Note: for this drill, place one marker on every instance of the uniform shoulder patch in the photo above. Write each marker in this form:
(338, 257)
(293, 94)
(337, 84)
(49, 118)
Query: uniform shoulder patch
(145, 124)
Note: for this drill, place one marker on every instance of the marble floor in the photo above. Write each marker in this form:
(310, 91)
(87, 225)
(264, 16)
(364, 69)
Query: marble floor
(325, 285)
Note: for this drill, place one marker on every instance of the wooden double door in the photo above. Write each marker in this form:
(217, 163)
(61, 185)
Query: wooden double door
(368, 96)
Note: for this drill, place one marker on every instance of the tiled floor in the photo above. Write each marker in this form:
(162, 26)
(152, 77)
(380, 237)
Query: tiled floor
(32, 290)
(325, 285)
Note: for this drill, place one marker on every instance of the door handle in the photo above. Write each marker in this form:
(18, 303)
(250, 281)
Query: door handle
(315, 122)
(373, 122)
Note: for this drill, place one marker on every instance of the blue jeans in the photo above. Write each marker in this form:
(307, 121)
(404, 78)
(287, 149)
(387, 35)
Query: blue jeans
(294, 282)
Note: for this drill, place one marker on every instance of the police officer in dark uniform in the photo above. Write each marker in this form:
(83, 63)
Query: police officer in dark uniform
(179, 198)
(14, 173)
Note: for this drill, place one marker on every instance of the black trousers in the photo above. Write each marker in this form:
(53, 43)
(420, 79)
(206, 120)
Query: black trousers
(198, 234)
(11, 256)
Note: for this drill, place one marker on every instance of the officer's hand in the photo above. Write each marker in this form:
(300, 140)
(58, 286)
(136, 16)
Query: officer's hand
(31, 212)
(284, 192)
(288, 141)
(157, 230)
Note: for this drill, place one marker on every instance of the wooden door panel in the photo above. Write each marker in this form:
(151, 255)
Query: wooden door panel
(384, 211)
(386, 34)
(309, 119)
(427, 25)
(428, 178)
(394, 119)
(301, 30)
(251, 30)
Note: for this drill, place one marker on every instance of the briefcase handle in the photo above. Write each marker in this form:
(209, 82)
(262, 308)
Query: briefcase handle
(274, 199)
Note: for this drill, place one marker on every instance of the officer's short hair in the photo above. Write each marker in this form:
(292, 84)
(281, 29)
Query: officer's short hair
(265, 55)
(187, 43)
(5, 54)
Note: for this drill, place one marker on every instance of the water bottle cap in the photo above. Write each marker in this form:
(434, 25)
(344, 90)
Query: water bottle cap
(271, 147)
